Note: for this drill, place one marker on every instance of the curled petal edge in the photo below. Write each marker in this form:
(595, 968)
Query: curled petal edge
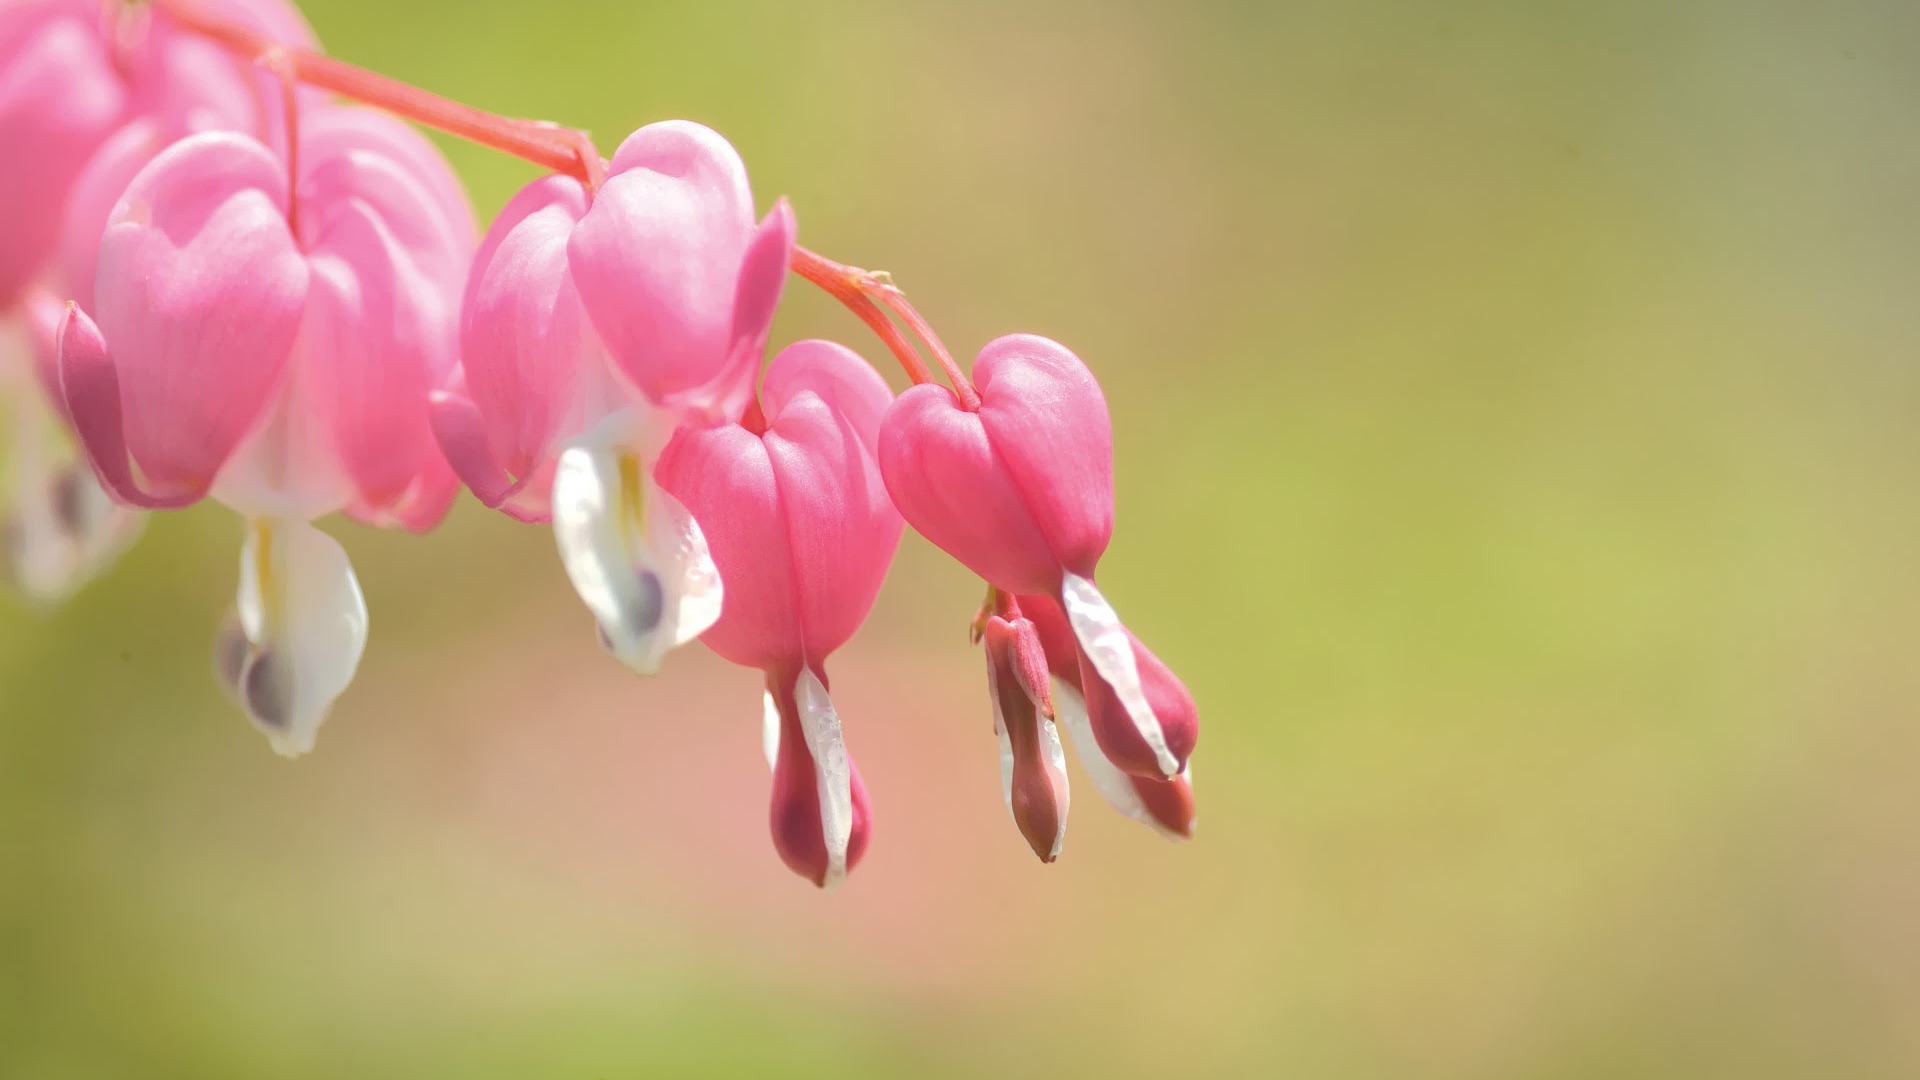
(1121, 790)
(462, 434)
(90, 395)
(1108, 648)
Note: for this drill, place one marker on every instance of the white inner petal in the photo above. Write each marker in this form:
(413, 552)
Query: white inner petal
(1056, 763)
(1107, 645)
(833, 772)
(770, 730)
(634, 554)
(305, 622)
(1000, 731)
(1113, 785)
(62, 528)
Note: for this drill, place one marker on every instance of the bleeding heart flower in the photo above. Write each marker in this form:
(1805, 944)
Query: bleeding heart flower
(89, 93)
(274, 348)
(801, 529)
(1021, 491)
(548, 423)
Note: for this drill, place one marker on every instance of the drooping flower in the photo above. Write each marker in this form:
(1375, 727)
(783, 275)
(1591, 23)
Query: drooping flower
(274, 348)
(1165, 805)
(593, 324)
(1021, 492)
(801, 529)
(89, 92)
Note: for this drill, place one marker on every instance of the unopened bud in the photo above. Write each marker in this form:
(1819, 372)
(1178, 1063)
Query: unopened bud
(1033, 763)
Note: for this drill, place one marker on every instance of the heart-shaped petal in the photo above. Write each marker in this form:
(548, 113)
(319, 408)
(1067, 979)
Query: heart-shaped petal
(1048, 421)
(381, 312)
(943, 473)
(1020, 489)
(200, 290)
(658, 259)
(797, 518)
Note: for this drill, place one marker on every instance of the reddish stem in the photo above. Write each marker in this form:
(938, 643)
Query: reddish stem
(564, 150)
(896, 302)
(547, 145)
(839, 283)
(857, 289)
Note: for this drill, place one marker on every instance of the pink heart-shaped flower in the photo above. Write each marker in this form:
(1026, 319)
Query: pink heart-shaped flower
(1020, 490)
(797, 518)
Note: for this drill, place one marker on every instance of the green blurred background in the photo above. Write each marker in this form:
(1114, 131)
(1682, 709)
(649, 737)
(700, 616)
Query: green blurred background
(1515, 411)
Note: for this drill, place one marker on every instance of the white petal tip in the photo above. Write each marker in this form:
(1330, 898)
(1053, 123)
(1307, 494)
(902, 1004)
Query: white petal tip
(1110, 649)
(833, 772)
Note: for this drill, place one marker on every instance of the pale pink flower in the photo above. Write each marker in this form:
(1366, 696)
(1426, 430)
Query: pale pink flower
(802, 532)
(73, 72)
(89, 93)
(592, 325)
(284, 373)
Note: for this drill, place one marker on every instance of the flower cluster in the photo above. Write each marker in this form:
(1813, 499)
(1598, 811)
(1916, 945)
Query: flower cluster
(220, 281)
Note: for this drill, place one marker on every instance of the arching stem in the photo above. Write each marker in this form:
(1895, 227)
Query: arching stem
(564, 150)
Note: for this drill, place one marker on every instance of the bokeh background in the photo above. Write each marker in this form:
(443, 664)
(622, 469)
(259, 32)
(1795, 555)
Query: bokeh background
(1516, 416)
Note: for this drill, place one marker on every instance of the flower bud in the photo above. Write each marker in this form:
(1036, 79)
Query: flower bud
(801, 531)
(1033, 767)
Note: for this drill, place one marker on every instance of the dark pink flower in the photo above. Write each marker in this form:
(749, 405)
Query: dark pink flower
(1021, 491)
(801, 529)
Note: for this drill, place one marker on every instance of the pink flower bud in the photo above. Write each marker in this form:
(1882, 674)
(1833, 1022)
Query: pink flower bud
(1033, 768)
(802, 532)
